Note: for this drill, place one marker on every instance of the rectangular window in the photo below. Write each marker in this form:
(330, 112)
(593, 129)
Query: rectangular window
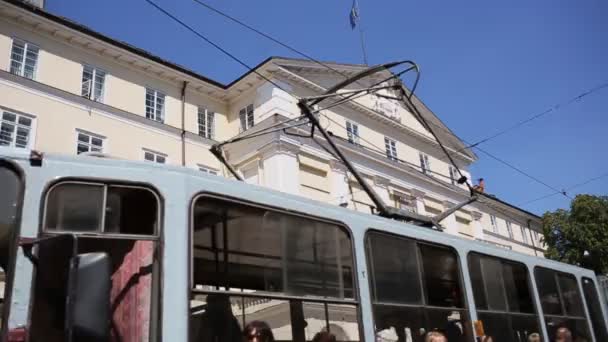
(453, 175)
(510, 229)
(561, 302)
(524, 235)
(120, 220)
(246, 117)
(352, 131)
(494, 224)
(89, 142)
(415, 287)
(503, 297)
(93, 81)
(155, 105)
(24, 58)
(595, 310)
(425, 166)
(391, 148)
(156, 157)
(292, 272)
(207, 170)
(15, 129)
(206, 123)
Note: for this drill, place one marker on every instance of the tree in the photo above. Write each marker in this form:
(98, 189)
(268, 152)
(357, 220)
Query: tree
(579, 236)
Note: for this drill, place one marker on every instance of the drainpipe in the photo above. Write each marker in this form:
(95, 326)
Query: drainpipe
(184, 123)
(531, 237)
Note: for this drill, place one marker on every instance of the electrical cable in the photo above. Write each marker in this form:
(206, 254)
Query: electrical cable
(567, 189)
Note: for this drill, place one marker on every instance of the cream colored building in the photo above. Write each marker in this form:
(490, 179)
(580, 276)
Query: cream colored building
(67, 89)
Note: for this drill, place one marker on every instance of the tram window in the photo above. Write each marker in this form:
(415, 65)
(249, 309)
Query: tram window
(426, 292)
(79, 207)
(251, 263)
(75, 207)
(595, 310)
(559, 294)
(396, 273)
(503, 298)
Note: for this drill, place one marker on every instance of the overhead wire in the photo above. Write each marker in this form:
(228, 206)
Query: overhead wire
(578, 185)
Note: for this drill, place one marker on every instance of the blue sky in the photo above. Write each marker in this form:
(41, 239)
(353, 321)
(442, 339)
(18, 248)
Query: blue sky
(485, 65)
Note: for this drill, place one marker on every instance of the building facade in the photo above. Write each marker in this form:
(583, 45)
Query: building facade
(67, 89)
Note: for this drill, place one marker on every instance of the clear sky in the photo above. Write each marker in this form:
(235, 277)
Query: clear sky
(485, 65)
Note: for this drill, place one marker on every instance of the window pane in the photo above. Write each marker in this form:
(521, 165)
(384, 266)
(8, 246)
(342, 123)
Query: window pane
(547, 291)
(595, 310)
(74, 207)
(6, 134)
(517, 288)
(477, 282)
(564, 326)
(269, 251)
(494, 286)
(509, 328)
(160, 159)
(441, 276)
(10, 204)
(131, 211)
(83, 137)
(22, 137)
(454, 324)
(149, 156)
(394, 267)
(571, 295)
(403, 324)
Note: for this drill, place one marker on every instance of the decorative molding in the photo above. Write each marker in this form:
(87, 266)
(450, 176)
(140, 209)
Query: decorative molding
(417, 194)
(476, 215)
(337, 166)
(506, 238)
(279, 147)
(381, 181)
(448, 204)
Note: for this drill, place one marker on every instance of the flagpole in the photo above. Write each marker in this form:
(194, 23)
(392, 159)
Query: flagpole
(361, 37)
(363, 45)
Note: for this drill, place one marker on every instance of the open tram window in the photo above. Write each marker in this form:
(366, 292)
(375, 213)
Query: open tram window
(503, 298)
(416, 288)
(253, 263)
(562, 303)
(120, 220)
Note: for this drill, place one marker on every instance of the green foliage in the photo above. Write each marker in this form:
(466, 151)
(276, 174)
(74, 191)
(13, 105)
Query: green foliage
(569, 233)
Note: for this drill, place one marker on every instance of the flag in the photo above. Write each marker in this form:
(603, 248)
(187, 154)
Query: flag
(354, 15)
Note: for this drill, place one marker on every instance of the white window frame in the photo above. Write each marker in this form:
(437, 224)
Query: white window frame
(510, 229)
(89, 143)
(206, 127)
(425, 164)
(453, 174)
(208, 170)
(155, 155)
(31, 129)
(247, 117)
(155, 115)
(95, 71)
(494, 223)
(523, 235)
(352, 132)
(21, 69)
(390, 146)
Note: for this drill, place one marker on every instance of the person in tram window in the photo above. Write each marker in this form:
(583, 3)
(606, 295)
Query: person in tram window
(324, 336)
(534, 337)
(258, 331)
(435, 336)
(217, 323)
(563, 334)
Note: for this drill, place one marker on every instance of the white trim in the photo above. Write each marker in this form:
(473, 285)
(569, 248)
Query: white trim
(27, 44)
(31, 139)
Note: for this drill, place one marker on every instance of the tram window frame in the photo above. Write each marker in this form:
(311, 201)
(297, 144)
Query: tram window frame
(563, 315)
(99, 239)
(13, 247)
(594, 308)
(484, 308)
(423, 309)
(106, 186)
(242, 294)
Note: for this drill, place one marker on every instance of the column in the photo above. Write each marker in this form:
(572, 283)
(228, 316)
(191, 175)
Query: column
(381, 187)
(477, 225)
(338, 183)
(281, 168)
(419, 201)
(449, 223)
